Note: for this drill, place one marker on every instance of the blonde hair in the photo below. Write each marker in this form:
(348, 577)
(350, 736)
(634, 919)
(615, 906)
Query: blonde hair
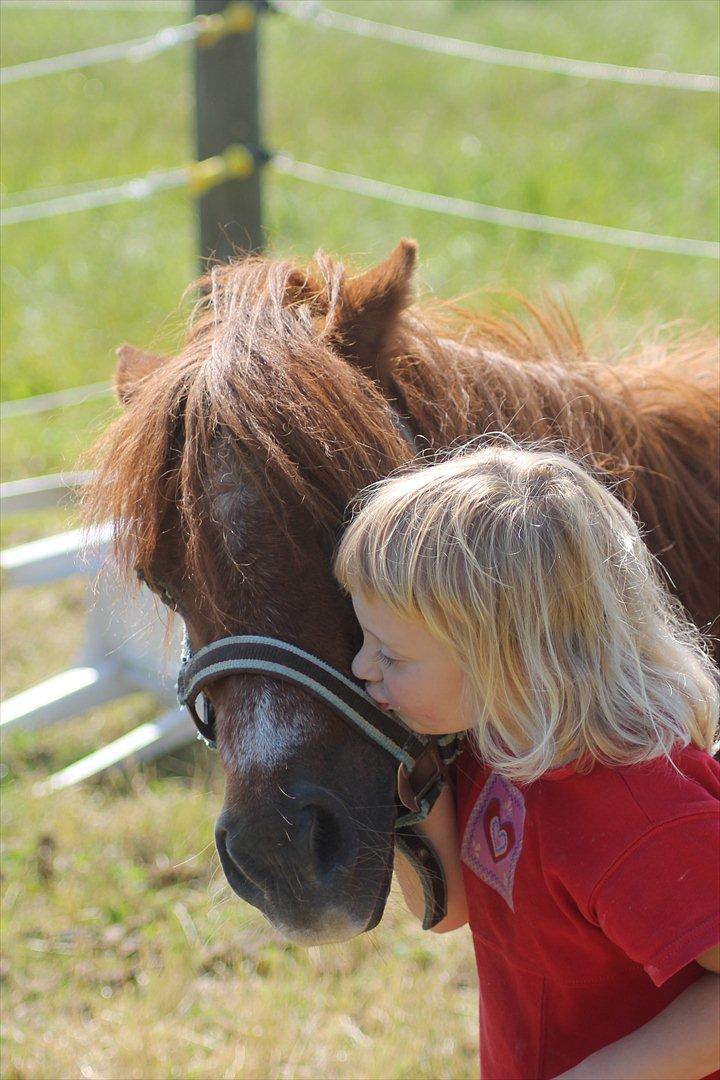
(537, 579)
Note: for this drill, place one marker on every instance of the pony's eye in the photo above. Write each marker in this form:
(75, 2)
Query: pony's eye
(167, 598)
(159, 589)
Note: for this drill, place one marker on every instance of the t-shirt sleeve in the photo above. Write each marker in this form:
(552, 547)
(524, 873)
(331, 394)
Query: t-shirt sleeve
(660, 901)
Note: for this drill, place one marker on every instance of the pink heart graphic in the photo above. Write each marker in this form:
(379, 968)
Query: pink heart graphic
(500, 835)
(493, 836)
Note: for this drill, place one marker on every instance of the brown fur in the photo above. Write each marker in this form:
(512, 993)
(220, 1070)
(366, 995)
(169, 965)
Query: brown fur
(298, 375)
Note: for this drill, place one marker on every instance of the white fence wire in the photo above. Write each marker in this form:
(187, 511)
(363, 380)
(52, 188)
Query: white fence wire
(493, 54)
(58, 399)
(142, 187)
(495, 215)
(327, 18)
(100, 193)
(135, 51)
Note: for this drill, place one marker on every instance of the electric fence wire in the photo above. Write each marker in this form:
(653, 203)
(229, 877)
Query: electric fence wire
(313, 12)
(310, 11)
(58, 399)
(98, 193)
(142, 187)
(135, 51)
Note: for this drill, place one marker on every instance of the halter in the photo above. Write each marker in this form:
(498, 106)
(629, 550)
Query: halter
(422, 760)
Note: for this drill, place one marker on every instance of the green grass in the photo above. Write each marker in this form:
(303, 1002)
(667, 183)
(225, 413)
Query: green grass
(124, 954)
(128, 958)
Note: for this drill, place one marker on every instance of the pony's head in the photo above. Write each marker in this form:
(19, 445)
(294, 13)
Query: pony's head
(226, 476)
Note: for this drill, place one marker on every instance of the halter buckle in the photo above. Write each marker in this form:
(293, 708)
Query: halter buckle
(418, 788)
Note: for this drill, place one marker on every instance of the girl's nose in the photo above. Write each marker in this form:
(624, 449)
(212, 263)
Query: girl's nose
(360, 667)
(357, 667)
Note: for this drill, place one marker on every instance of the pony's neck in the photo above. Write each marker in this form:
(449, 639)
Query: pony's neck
(451, 390)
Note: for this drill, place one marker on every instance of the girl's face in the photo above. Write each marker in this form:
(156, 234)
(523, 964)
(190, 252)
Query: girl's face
(406, 669)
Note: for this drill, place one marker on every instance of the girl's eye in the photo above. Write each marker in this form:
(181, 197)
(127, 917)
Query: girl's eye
(386, 661)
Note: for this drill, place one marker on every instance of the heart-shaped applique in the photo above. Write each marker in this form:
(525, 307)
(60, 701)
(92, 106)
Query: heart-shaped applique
(500, 834)
(493, 836)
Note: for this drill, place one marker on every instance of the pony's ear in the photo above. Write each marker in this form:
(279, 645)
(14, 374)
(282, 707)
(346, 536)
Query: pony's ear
(301, 287)
(132, 367)
(369, 306)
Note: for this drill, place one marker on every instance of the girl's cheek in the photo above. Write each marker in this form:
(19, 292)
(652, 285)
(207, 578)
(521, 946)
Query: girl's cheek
(400, 690)
(390, 684)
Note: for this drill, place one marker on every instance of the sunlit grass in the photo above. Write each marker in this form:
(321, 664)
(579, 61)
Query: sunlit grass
(129, 957)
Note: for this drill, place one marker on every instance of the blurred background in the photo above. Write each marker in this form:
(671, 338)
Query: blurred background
(124, 952)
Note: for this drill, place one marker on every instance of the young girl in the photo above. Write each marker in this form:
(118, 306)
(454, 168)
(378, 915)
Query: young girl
(507, 593)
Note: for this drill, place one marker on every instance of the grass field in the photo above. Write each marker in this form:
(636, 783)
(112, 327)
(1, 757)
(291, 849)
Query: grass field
(124, 954)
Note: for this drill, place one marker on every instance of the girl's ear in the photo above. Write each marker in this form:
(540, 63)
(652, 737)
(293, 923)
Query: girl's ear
(368, 306)
(133, 366)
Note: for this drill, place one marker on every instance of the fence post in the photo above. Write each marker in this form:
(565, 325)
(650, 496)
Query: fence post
(226, 88)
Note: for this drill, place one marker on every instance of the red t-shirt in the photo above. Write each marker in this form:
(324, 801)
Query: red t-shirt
(589, 896)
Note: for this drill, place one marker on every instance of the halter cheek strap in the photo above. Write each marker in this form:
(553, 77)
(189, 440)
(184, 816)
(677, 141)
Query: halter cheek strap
(422, 760)
(248, 653)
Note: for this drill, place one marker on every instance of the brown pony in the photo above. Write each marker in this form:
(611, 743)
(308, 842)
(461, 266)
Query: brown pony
(228, 473)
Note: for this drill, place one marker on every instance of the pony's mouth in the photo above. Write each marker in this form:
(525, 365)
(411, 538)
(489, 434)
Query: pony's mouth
(335, 923)
(383, 893)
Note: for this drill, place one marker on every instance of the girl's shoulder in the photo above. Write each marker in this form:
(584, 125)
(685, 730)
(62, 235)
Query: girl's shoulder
(591, 815)
(659, 812)
(662, 788)
(584, 791)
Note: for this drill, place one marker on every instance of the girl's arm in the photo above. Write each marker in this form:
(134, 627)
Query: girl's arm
(441, 830)
(680, 1043)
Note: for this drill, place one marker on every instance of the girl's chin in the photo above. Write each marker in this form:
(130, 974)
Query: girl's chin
(414, 725)
(427, 729)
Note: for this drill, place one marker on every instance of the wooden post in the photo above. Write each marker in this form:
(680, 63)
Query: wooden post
(227, 112)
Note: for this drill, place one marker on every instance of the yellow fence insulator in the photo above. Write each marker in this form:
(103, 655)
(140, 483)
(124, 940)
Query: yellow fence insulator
(238, 18)
(235, 163)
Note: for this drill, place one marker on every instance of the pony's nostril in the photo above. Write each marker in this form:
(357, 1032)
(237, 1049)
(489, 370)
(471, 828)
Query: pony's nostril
(326, 841)
(325, 835)
(311, 841)
(237, 869)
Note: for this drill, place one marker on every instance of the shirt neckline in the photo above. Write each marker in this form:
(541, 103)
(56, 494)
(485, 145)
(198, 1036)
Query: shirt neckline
(570, 768)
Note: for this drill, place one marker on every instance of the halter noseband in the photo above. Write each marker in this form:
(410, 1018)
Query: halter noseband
(422, 760)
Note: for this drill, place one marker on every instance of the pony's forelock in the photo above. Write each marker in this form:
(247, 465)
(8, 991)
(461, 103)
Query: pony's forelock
(257, 376)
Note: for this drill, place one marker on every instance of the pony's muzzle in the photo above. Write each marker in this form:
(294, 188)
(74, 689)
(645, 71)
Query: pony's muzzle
(307, 841)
